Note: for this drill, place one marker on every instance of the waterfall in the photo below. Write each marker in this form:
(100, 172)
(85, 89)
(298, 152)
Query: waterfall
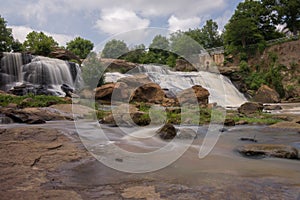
(221, 89)
(37, 72)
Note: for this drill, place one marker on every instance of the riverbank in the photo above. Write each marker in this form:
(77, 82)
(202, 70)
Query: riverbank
(49, 161)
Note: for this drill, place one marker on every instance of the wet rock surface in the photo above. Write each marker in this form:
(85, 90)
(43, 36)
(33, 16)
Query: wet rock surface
(269, 150)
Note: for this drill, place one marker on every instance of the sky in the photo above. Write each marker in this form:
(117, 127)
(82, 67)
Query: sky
(100, 20)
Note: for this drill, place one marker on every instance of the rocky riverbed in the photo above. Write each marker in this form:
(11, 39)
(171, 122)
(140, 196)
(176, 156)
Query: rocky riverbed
(49, 161)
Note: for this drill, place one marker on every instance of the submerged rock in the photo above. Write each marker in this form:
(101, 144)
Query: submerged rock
(269, 150)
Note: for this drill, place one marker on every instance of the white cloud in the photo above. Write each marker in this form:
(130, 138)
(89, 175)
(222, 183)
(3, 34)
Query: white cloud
(20, 33)
(120, 20)
(183, 24)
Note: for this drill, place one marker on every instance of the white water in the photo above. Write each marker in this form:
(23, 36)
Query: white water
(38, 71)
(221, 89)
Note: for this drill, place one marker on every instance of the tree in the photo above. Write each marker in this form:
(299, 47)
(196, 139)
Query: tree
(159, 42)
(183, 45)
(6, 38)
(114, 49)
(289, 13)
(211, 36)
(39, 43)
(92, 71)
(80, 47)
(17, 46)
(252, 23)
(136, 54)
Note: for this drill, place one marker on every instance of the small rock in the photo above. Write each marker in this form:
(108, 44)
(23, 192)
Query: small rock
(229, 122)
(167, 132)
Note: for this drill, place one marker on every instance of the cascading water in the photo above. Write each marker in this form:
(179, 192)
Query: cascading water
(221, 89)
(37, 72)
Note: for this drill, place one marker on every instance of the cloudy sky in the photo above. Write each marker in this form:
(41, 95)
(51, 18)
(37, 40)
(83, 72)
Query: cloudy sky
(98, 20)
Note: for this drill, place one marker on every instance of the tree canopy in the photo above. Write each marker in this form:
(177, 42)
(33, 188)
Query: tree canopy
(289, 12)
(80, 47)
(39, 43)
(6, 38)
(114, 49)
(208, 36)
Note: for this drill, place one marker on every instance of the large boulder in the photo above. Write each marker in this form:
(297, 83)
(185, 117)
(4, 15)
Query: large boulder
(250, 108)
(106, 91)
(117, 65)
(167, 132)
(64, 54)
(269, 150)
(192, 94)
(150, 92)
(266, 94)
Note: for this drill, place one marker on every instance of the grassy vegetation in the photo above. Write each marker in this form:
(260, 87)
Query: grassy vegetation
(31, 100)
(195, 116)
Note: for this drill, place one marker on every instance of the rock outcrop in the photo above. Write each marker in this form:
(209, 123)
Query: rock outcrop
(41, 115)
(27, 157)
(266, 94)
(269, 150)
(193, 94)
(64, 54)
(117, 65)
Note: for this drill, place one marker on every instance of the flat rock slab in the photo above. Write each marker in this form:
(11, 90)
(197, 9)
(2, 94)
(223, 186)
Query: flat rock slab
(269, 150)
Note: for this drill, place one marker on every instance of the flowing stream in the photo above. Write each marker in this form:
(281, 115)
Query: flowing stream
(221, 89)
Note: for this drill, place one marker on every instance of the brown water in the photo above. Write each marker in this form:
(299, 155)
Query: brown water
(223, 174)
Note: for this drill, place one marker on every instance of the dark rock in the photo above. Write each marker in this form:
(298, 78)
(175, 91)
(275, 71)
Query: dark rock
(167, 132)
(269, 150)
(266, 94)
(67, 89)
(222, 130)
(250, 108)
(249, 139)
(229, 122)
(35, 120)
